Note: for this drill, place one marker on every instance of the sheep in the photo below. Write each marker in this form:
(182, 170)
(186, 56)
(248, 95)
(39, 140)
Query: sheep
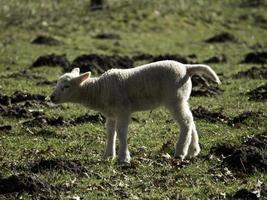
(118, 93)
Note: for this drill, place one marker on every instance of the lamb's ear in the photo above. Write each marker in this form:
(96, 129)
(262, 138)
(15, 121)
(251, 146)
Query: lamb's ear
(82, 77)
(76, 71)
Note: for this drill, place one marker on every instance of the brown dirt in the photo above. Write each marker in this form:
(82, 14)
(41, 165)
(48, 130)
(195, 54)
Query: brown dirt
(45, 40)
(245, 194)
(59, 164)
(52, 60)
(253, 73)
(100, 63)
(258, 94)
(204, 87)
(257, 57)
(221, 38)
(25, 183)
(24, 74)
(249, 157)
(41, 120)
(153, 58)
(5, 128)
(106, 35)
(216, 59)
(219, 116)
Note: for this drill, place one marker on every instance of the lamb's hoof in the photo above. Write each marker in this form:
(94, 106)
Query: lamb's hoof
(107, 156)
(193, 152)
(179, 157)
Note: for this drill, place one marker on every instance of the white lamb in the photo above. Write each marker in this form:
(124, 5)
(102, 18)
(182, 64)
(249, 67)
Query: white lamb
(119, 92)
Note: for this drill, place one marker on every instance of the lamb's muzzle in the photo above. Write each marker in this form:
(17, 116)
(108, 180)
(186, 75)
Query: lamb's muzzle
(119, 92)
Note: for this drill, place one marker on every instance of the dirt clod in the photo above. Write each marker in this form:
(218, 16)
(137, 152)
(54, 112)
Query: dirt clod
(101, 63)
(89, 118)
(52, 60)
(253, 73)
(59, 164)
(45, 40)
(203, 87)
(249, 157)
(258, 94)
(24, 183)
(216, 59)
(256, 57)
(106, 35)
(5, 128)
(245, 194)
(221, 38)
(219, 116)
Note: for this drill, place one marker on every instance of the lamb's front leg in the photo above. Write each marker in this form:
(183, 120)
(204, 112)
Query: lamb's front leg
(122, 130)
(110, 150)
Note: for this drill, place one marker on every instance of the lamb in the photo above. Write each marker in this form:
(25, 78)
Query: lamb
(119, 92)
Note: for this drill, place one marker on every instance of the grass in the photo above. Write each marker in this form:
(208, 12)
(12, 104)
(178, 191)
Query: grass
(154, 27)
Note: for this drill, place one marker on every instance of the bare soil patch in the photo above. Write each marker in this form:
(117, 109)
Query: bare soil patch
(177, 57)
(219, 116)
(101, 63)
(249, 157)
(253, 73)
(59, 164)
(258, 94)
(216, 59)
(204, 87)
(52, 60)
(41, 120)
(222, 38)
(26, 183)
(45, 40)
(107, 35)
(257, 57)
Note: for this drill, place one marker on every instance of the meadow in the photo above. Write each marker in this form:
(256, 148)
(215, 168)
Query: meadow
(55, 151)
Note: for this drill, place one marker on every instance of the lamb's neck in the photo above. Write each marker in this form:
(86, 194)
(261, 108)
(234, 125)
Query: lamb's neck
(90, 92)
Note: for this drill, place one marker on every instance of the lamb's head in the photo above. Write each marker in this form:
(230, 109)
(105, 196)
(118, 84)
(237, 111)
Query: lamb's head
(68, 85)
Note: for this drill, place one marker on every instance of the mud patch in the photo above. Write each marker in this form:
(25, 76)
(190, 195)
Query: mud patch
(109, 36)
(52, 60)
(153, 58)
(25, 183)
(219, 116)
(59, 164)
(253, 73)
(249, 157)
(258, 94)
(203, 87)
(5, 128)
(24, 74)
(101, 63)
(252, 3)
(216, 59)
(245, 194)
(18, 112)
(89, 118)
(259, 57)
(222, 38)
(45, 40)
(41, 120)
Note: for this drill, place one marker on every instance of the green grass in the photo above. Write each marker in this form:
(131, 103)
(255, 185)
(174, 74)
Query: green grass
(154, 27)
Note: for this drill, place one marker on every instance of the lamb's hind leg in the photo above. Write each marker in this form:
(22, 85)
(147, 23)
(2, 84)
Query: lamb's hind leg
(110, 150)
(184, 118)
(194, 148)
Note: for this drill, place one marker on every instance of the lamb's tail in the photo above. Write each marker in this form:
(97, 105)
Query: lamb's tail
(202, 69)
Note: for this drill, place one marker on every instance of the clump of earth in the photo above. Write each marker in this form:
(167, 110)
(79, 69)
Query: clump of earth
(248, 157)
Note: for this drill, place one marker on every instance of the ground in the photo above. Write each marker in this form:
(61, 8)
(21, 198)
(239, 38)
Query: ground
(55, 152)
